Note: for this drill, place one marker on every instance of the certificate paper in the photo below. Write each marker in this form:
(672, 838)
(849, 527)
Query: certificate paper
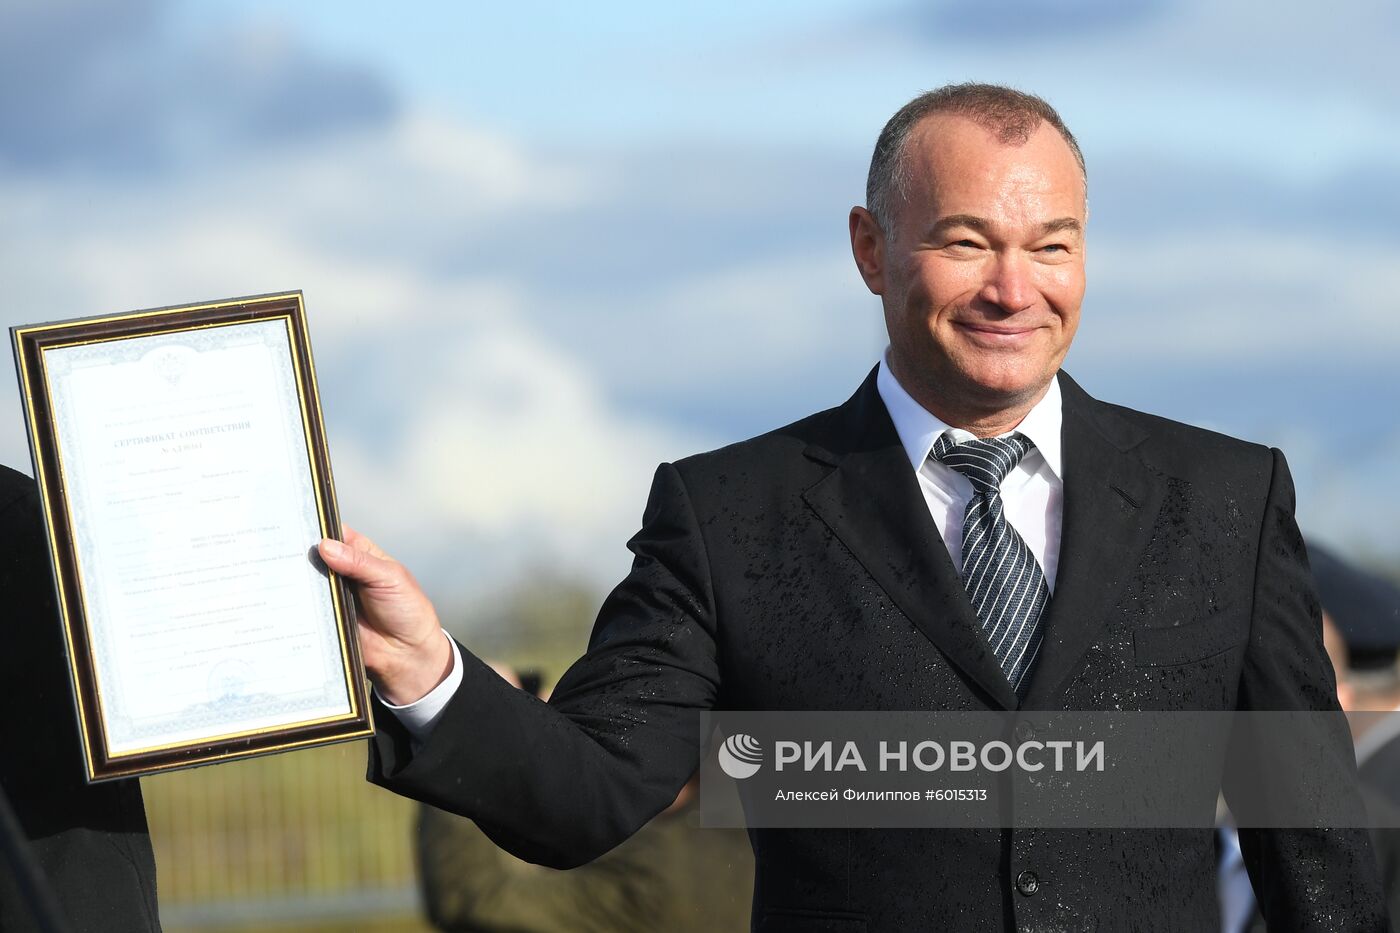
(185, 484)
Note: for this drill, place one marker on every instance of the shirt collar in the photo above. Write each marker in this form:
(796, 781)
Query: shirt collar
(918, 427)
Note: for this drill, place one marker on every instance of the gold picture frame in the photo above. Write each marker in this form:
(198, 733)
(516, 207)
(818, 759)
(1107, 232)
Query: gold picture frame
(182, 465)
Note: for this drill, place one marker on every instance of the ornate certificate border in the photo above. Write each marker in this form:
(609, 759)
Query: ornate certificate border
(205, 737)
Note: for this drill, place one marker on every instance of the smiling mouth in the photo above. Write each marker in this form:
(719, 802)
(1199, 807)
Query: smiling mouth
(993, 335)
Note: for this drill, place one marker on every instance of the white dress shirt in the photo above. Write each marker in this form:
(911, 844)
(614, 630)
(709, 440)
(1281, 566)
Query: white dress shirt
(420, 716)
(1031, 494)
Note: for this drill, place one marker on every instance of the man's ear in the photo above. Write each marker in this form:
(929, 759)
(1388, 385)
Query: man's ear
(868, 248)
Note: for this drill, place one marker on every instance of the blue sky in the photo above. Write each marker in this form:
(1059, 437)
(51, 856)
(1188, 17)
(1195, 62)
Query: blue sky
(546, 245)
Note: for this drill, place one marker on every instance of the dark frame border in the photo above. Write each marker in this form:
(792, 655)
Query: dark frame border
(30, 342)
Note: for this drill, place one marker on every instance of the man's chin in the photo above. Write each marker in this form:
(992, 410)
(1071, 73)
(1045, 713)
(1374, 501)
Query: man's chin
(990, 384)
(1003, 389)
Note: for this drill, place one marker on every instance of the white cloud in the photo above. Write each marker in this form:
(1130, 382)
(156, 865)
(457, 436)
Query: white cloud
(513, 460)
(1244, 294)
(746, 324)
(502, 448)
(1342, 499)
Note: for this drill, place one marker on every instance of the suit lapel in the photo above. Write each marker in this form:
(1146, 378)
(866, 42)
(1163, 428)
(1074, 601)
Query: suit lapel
(873, 503)
(1111, 500)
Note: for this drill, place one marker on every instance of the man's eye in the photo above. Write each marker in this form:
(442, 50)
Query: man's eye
(1054, 248)
(966, 244)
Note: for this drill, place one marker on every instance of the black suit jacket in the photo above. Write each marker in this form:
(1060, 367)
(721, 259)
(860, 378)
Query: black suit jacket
(90, 840)
(801, 570)
(1385, 841)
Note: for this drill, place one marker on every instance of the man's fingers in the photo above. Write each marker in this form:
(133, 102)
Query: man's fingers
(404, 648)
(362, 543)
(356, 564)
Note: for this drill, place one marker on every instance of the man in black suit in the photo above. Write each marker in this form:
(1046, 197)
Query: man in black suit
(90, 840)
(970, 531)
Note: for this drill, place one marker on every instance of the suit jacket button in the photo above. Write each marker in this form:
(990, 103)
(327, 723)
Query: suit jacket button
(1027, 883)
(1024, 731)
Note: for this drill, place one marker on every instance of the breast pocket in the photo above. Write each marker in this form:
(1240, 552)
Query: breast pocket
(1190, 641)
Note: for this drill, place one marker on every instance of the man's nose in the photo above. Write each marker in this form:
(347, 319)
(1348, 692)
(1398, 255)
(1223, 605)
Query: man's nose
(1009, 283)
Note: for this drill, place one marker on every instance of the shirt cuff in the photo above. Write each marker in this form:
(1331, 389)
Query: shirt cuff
(420, 716)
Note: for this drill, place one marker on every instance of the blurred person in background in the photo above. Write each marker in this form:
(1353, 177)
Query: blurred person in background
(1362, 610)
(1361, 632)
(672, 875)
(90, 840)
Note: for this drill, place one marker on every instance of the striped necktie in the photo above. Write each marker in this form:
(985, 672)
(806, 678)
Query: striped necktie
(1001, 575)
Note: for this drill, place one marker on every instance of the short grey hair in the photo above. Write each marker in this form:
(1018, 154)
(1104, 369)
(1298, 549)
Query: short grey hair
(1013, 116)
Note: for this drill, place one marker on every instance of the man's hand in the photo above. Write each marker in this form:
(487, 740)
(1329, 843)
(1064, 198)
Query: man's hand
(400, 636)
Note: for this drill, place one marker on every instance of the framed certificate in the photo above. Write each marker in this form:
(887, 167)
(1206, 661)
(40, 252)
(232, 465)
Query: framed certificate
(185, 481)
